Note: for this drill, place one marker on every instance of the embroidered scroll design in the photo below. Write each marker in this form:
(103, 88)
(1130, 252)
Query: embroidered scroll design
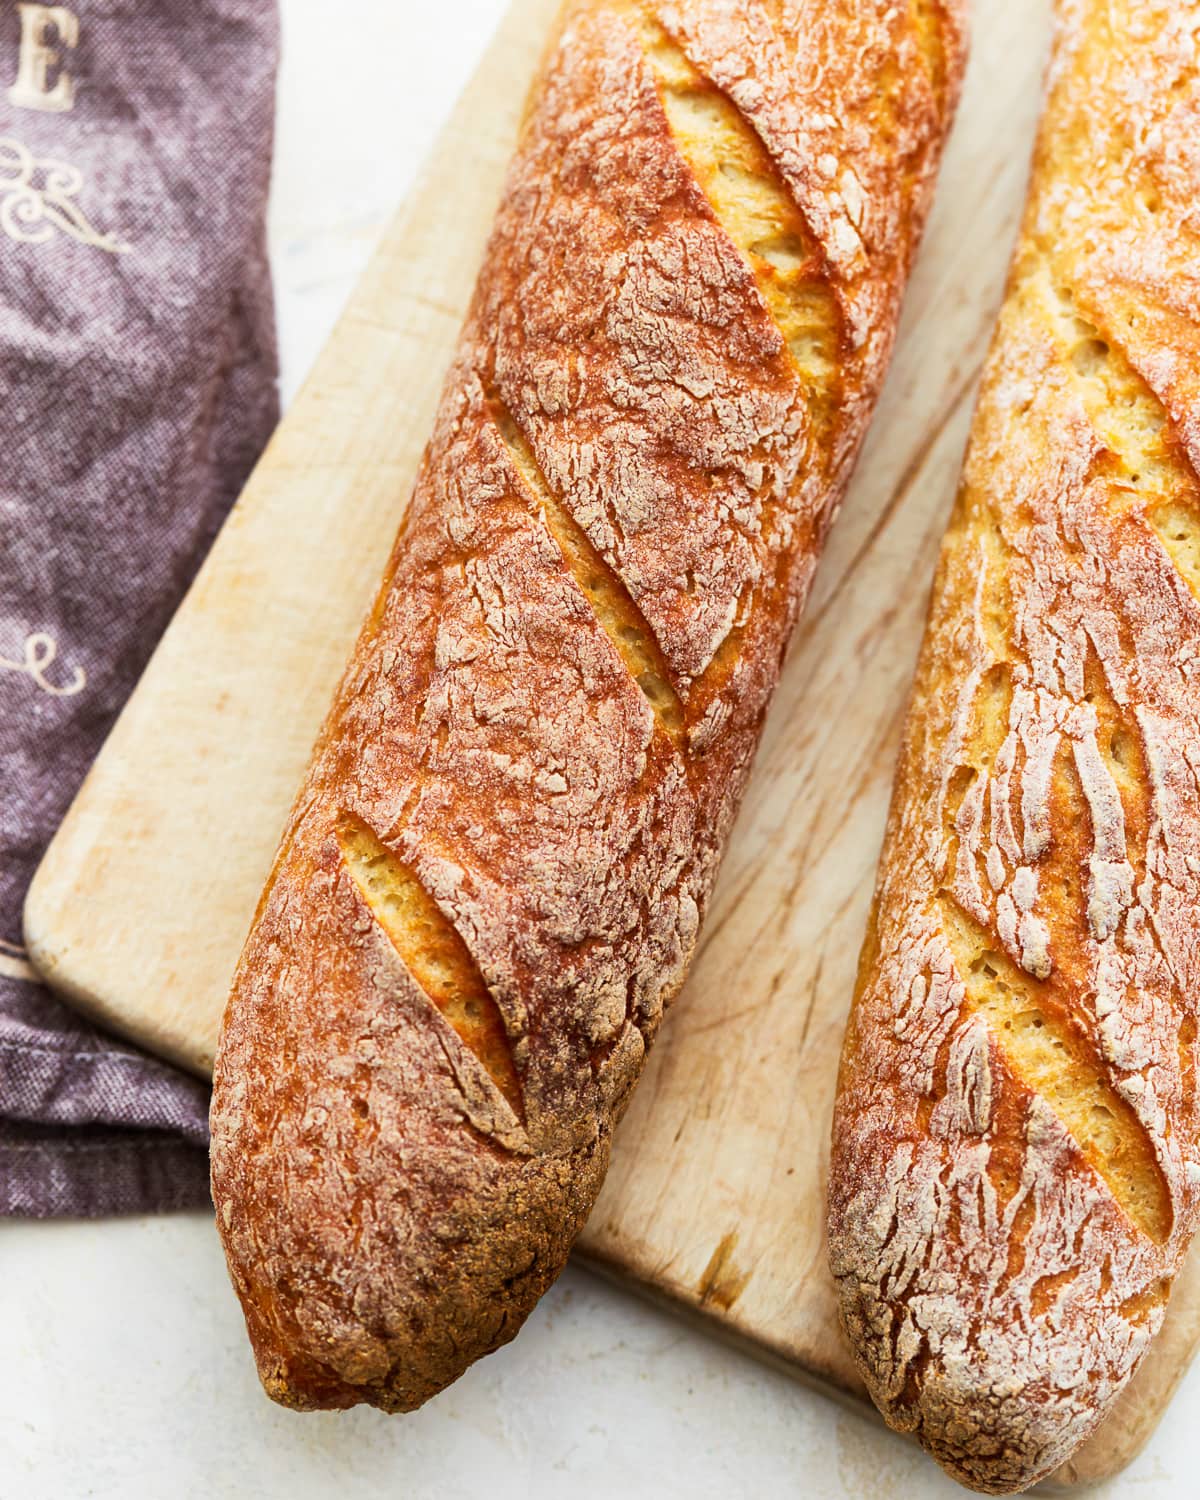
(41, 652)
(31, 213)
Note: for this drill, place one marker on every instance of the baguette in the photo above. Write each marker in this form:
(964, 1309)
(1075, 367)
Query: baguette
(493, 877)
(1015, 1152)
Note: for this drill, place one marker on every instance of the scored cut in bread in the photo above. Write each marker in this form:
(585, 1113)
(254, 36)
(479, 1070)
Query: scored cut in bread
(492, 880)
(1015, 1148)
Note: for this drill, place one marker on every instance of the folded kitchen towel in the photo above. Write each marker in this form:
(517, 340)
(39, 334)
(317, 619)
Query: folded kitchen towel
(138, 385)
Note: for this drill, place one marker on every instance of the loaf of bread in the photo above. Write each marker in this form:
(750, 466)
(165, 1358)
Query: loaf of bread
(493, 877)
(1015, 1152)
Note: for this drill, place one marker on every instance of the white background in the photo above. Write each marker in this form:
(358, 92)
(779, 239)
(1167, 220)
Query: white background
(124, 1369)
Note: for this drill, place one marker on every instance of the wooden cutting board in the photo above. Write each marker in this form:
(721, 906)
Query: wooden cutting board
(716, 1195)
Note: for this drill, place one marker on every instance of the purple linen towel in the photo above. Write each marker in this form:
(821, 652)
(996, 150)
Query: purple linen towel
(138, 385)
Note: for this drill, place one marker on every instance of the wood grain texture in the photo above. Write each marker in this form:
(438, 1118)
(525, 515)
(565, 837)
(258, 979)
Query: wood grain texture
(715, 1198)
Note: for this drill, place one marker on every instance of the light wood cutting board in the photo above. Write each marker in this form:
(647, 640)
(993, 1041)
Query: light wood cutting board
(716, 1195)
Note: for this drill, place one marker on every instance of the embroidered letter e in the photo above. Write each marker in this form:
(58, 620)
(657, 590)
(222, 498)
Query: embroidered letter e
(42, 27)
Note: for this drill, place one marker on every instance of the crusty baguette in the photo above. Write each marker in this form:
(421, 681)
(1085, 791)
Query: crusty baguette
(1014, 1177)
(493, 877)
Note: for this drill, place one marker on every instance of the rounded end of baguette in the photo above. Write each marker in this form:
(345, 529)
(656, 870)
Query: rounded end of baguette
(989, 1427)
(1001, 1402)
(995, 1439)
(388, 1313)
(333, 1332)
(359, 1370)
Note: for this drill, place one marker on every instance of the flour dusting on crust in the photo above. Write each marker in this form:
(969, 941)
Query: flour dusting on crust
(1015, 1144)
(631, 465)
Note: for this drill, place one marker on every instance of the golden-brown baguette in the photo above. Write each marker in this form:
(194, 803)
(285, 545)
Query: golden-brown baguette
(1015, 1150)
(493, 876)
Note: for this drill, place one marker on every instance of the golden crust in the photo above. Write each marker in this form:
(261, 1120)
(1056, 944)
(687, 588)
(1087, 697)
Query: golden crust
(544, 732)
(1015, 1152)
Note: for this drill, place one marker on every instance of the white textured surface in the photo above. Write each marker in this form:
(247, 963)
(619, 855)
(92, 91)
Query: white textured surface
(125, 1370)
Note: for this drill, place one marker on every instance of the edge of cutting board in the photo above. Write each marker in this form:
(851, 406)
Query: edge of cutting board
(1114, 1445)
